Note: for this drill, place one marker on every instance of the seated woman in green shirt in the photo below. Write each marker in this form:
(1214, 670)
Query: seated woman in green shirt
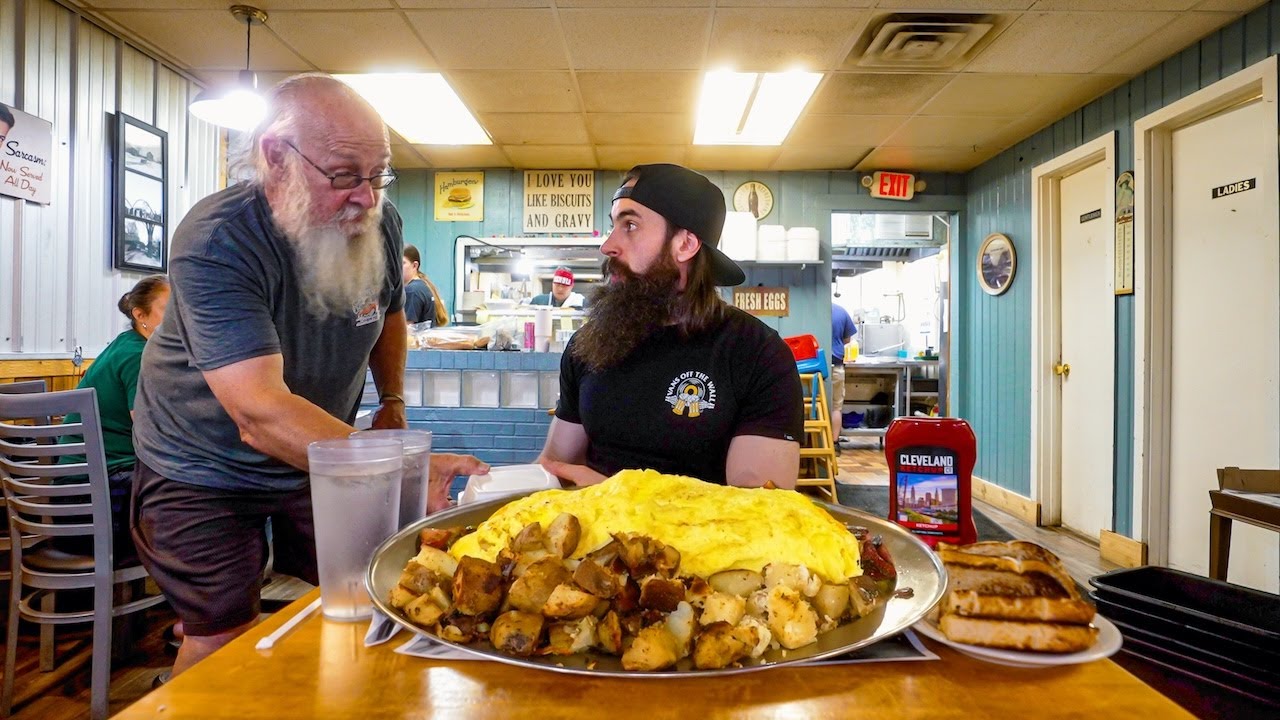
(114, 374)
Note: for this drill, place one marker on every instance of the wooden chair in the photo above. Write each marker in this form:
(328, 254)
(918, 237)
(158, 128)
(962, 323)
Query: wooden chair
(818, 466)
(49, 499)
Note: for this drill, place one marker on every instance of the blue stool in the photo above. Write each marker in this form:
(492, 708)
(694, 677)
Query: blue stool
(815, 365)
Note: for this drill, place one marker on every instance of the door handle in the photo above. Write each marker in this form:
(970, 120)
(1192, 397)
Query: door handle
(1062, 369)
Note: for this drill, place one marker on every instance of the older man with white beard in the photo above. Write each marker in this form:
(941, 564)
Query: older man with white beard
(285, 288)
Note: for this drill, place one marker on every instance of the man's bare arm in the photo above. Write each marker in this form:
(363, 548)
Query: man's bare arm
(565, 454)
(386, 361)
(754, 460)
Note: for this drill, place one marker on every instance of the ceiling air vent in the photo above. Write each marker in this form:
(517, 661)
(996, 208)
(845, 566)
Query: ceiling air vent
(925, 42)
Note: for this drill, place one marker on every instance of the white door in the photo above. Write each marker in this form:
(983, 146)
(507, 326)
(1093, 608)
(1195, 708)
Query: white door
(1225, 384)
(1088, 390)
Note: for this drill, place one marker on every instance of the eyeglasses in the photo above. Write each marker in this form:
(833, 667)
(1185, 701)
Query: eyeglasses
(346, 180)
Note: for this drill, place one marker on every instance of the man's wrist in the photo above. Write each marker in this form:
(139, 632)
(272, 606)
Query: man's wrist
(390, 396)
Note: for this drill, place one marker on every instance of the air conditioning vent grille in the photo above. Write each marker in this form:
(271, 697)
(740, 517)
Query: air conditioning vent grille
(926, 43)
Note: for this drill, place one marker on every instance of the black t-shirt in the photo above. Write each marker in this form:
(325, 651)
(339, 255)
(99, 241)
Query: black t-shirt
(419, 303)
(676, 403)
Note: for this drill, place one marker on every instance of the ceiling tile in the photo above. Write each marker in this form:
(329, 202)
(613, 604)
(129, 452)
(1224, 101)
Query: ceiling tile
(515, 91)
(1066, 42)
(796, 3)
(453, 4)
(640, 129)
(956, 5)
(776, 39)
(728, 157)
(925, 159)
(221, 40)
(831, 157)
(625, 157)
(523, 39)
(872, 93)
(1140, 5)
(404, 157)
(535, 128)
(1184, 30)
(1237, 5)
(661, 92)
(563, 157)
(324, 39)
(818, 130)
(636, 38)
(634, 3)
(948, 131)
(224, 6)
(1002, 94)
(463, 156)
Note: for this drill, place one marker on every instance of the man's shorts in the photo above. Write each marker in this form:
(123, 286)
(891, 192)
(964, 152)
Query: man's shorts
(207, 548)
(837, 386)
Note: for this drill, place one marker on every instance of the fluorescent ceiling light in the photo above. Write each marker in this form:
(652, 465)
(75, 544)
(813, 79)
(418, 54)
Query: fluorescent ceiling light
(751, 108)
(421, 107)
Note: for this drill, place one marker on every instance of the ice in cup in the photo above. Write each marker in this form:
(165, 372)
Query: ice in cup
(355, 499)
(417, 471)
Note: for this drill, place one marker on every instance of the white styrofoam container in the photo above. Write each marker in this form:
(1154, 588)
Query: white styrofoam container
(772, 243)
(802, 244)
(507, 480)
(738, 239)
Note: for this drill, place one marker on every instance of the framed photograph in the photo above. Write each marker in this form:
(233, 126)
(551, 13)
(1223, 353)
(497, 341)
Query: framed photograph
(141, 196)
(997, 263)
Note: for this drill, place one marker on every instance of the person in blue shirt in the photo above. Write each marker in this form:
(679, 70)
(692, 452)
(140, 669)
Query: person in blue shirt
(842, 331)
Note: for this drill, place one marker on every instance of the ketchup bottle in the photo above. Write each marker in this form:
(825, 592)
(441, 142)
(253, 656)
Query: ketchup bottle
(930, 473)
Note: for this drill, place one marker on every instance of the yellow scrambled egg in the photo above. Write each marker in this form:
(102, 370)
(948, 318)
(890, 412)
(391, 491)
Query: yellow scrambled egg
(714, 527)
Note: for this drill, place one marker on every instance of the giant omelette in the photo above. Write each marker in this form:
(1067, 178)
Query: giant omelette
(713, 526)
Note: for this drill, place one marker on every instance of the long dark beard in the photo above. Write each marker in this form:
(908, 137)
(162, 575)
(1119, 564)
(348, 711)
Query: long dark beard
(622, 315)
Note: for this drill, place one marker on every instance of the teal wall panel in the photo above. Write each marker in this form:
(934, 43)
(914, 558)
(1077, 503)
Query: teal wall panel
(992, 335)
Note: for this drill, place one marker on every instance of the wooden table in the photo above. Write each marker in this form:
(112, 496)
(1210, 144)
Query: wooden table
(322, 670)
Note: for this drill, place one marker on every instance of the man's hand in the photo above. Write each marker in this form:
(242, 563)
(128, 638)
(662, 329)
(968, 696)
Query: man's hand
(390, 416)
(580, 475)
(444, 467)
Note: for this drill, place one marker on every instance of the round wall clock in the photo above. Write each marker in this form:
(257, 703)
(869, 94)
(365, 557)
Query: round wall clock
(754, 197)
(997, 262)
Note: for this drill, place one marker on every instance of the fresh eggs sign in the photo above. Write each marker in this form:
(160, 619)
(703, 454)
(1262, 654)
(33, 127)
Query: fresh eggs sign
(26, 154)
(763, 301)
(559, 201)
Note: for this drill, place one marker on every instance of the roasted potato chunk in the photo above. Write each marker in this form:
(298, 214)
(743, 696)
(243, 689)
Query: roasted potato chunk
(423, 611)
(528, 558)
(796, 577)
(571, 637)
(655, 648)
(529, 538)
(563, 534)
(517, 632)
(681, 624)
(657, 593)
(736, 582)
(530, 591)
(460, 628)
(437, 561)
(596, 579)
(645, 556)
(721, 645)
(609, 633)
(477, 586)
(722, 607)
(832, 601)
(418, 579)
(569, 602)
(792, 619)
(400, 597)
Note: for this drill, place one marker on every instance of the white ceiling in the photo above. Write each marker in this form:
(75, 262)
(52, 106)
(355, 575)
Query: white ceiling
(611, 83)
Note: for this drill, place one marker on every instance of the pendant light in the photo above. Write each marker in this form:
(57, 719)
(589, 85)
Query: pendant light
(238, 107)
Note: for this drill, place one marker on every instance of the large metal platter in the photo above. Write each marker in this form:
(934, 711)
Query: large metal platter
(918, 569)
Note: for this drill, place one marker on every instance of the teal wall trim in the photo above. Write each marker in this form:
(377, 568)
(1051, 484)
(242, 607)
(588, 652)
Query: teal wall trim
(992, 334)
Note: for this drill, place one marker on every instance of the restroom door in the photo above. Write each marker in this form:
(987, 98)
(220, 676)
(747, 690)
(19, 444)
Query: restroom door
(1088, 389)
(1225, 377)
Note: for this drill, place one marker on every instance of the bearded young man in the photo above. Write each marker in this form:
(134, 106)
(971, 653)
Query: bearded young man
(285, 288)
(665, 375)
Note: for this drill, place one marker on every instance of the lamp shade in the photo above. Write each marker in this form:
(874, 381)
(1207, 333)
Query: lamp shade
(238, 107)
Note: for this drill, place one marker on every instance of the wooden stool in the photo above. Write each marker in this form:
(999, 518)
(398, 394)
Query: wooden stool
(818, 467)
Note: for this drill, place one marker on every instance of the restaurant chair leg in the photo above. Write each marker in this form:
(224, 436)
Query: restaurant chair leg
(46, 635)
(100, 675)
(10, 646)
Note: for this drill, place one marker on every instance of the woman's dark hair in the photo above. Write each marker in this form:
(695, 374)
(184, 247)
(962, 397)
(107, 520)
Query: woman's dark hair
(411, 254)
(142, 296)
(442, 315)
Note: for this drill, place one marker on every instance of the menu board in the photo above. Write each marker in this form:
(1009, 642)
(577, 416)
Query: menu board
(559, 201)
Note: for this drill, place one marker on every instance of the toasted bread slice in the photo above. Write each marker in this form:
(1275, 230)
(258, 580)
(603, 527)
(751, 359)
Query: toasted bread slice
(968, 603)
(1015, 635)
(1019, 559)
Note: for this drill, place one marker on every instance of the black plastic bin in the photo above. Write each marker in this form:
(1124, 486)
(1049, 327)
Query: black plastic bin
(1242, 614)
(1211, 643)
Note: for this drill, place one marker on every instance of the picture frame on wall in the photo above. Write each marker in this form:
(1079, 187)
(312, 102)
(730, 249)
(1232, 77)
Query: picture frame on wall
(141, 196)
(997, 263)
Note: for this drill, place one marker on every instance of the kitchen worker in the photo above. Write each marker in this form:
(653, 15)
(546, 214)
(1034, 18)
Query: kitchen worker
(664, 374)
(562, 294)
(842, 331)
(286, 287)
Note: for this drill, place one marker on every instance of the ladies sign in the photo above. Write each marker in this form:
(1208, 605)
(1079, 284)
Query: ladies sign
(26, 150)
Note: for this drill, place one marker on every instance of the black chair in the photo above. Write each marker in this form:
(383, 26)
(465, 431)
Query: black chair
(49, 499)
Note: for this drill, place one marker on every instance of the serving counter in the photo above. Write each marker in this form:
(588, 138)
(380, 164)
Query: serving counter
(904, 374)
(323, 670)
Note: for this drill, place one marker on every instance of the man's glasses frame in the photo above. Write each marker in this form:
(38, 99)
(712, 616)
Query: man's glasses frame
(346, 180)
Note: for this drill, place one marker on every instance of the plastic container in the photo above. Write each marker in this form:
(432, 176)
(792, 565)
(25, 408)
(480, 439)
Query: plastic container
(802, 244)
(771, 243)
(1243, 614)
(803, 347)
(507, 480)
(738, 239)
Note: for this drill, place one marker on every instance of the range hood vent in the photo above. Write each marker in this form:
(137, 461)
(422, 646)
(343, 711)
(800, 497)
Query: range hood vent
(924, 42)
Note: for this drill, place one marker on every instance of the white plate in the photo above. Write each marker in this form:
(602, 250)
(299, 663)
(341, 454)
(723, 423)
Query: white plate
(1108, 643)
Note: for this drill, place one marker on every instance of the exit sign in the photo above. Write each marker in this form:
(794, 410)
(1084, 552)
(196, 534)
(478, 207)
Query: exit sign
(894, 186)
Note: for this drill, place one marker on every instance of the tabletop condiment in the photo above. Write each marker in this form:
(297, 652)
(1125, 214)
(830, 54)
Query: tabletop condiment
(930, 475)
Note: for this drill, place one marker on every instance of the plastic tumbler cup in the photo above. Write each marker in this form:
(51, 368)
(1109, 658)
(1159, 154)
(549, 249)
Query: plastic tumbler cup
(417, 470)
(355, 498)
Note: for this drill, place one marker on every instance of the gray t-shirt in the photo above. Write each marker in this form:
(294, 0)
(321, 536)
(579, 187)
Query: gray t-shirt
(236, 296)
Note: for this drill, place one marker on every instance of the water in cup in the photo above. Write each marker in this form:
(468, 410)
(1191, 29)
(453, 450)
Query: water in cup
(414, 500)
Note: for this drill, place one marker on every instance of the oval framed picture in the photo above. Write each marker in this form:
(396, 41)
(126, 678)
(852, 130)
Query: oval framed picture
(997, 262)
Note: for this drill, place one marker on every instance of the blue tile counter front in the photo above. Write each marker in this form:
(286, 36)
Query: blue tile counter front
(489, 404)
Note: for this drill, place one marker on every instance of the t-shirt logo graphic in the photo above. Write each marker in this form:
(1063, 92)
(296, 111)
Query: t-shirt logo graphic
(366, 311)
(692, 392)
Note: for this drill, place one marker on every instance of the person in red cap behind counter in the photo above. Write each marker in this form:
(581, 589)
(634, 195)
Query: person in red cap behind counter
(562, 294)
(665, 375)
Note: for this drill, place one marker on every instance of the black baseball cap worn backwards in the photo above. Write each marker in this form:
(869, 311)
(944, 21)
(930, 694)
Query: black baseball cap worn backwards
(687, 200)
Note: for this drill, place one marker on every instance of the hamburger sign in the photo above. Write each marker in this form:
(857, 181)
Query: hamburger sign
(459, 196)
